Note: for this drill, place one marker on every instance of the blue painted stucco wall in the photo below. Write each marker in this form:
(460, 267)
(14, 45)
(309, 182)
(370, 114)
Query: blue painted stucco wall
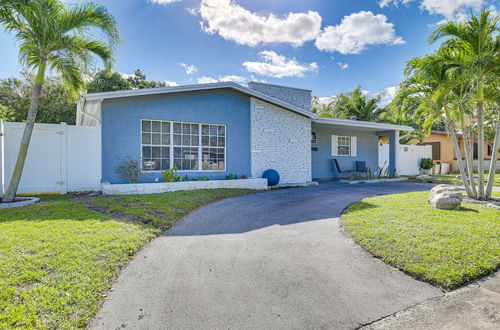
(121, 127)
(322, 166)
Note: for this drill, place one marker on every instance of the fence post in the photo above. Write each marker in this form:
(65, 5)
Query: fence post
(63, 135)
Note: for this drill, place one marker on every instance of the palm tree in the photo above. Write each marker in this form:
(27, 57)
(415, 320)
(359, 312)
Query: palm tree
(54, 38)
(358, 104)
(478, 42)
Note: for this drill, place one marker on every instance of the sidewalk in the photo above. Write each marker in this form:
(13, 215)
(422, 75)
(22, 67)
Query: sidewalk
(476, 306)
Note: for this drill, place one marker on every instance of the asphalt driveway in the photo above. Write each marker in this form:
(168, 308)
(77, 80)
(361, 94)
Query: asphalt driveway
(272, 260)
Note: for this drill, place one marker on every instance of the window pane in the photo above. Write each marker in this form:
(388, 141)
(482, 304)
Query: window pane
(165, 139)
(165, 164)
(165, 127)
(177, 152)
(177, 140)
(155, 151)
(205, 141)
(213, 130)
(194, 140)
(177, 164)
(221, 141)
(156, 138)
(150, 164)
(221, 165)
(146, 152)
(195, 129)
(186, 128)
(156, 126)
(185, 165)
(213, 141)
(222, 131)
(165, 152)
(146, 138)
(186, 140)
(187, 153)
(205, 129)
(177, 127)
(344, 150)
(146, 126)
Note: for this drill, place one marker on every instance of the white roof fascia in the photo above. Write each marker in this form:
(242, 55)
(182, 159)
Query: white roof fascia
(362, 124)
(198, 87)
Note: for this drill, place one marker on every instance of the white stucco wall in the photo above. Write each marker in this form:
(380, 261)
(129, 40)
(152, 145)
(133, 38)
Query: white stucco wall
(280, 140)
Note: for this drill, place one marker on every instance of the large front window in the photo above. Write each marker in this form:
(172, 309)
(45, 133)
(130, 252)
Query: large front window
(167, 144)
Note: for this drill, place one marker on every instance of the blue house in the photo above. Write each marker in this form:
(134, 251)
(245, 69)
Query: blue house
(225, 128)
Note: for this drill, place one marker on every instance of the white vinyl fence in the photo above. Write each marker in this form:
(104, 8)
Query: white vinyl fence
(60, 158)
(408, 158)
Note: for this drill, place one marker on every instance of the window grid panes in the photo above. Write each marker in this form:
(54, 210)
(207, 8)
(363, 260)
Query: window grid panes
(213, 142)
(344, 145)
(174, 144)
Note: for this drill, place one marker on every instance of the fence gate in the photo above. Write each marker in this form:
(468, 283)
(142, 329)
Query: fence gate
(408, 157)
(60, 157)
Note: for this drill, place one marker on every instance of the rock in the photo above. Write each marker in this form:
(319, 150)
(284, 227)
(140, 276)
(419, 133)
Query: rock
(424, 177)
(445, 197)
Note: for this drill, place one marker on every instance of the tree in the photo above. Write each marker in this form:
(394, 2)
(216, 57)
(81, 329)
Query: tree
(56, 102)
(53, 37)
(106, 81)
(478, 45)
(353, 104)
(452, 86)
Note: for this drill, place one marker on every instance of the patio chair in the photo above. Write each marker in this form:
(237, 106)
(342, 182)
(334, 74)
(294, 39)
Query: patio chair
(339, 171)
(361, 168)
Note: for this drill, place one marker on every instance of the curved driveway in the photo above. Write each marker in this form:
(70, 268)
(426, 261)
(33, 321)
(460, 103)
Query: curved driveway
(272, 260)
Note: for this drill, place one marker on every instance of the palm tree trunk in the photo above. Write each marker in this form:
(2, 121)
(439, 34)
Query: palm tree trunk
(451, 130)
(468, 162)
(10, 194)
(493, 162)
(480, 139)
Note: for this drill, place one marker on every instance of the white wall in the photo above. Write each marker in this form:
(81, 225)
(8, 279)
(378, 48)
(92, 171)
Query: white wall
(279, 140)
(60, 157)
(408, 157)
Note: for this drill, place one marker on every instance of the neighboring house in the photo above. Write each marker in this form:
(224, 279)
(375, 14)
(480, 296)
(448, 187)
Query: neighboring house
(224, 128)
(443, 152)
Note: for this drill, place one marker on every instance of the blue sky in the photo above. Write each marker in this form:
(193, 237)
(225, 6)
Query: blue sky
(328, 46)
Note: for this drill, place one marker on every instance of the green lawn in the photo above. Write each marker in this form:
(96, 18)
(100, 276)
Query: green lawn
(451, 178)
(58, 258)
(448, 248)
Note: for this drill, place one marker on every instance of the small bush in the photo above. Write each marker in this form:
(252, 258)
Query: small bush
(169, 175)
(231, 177)
(129, 169)
(426, 163)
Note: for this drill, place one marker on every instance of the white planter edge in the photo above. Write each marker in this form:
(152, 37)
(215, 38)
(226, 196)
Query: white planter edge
(156, 188)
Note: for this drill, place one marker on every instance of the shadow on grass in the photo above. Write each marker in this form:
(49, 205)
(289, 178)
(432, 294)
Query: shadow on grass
(359, 206)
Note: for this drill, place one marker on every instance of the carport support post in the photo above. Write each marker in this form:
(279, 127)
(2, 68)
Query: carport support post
(393, 149)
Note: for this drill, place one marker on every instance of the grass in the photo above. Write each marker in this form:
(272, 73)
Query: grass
(452, 178)
(448, 248)
(58, 258)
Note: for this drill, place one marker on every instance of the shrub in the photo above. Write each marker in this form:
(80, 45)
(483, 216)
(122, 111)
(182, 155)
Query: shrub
(426, 163)
(169, 175)
(231, 177)
(129, 170)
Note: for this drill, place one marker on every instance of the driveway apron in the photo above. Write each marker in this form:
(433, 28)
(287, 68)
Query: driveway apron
(270, 260)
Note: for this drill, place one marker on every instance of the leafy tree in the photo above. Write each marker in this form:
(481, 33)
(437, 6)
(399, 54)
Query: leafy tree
(475, 48)
(453, 85)
(55, 38)
(106, 81)
(56, 102)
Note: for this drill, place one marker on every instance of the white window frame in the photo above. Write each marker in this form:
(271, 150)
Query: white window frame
(172, 146)
(353, 142)
(348, 138)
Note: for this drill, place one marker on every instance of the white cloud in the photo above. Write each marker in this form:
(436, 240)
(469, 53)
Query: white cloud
(233, 22)
(230, 77)
(189, 68)
(343, 66)
(388, 94)
(170, 83)
(278, 66)
(451, 9)
(164, 2)
(356, 31)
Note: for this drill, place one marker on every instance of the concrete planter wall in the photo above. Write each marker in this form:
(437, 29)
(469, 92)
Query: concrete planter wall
(155, 188)
(373, 180)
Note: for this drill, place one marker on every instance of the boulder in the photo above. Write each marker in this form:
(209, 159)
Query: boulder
(445, 197)
(424, 177)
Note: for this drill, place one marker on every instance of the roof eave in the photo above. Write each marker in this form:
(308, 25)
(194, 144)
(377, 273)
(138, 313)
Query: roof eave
(198, 87)
(362, 124)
